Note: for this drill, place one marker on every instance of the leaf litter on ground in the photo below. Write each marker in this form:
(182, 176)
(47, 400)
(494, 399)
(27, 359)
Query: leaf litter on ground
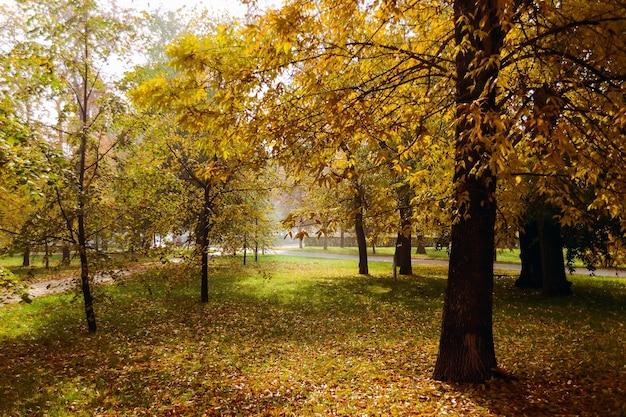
(306, 338)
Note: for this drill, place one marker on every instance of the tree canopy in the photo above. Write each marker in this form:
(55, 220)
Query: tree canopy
(393, 117)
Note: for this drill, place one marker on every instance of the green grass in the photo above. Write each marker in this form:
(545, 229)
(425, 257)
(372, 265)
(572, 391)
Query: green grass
(305, 337)
(510, 256)
(37, 270)
(503, 255)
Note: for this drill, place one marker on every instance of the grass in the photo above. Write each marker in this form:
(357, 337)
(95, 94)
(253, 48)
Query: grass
(503, 255)
(305, 337)
(37, 270)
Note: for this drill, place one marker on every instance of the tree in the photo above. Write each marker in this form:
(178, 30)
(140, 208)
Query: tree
(466, 348)
(77, 40)
(359, 72)
(206, 145)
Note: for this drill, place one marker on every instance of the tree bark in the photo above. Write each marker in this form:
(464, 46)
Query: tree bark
(26, 256)
(420, 248)
(530, 256)
(555, 282)
(245, 249)
(203, 240)
(403, 254)
(84, 276)
(361, 242)
(46, 253)
(81, 233)
(403, 242)
(466, 347)
(66, 255)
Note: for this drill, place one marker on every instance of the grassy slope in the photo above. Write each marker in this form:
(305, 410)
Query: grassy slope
(305, 337)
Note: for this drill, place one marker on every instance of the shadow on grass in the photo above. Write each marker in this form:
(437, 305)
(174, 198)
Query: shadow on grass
(302, 341)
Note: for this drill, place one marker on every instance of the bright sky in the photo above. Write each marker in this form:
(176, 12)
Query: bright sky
(230, 7)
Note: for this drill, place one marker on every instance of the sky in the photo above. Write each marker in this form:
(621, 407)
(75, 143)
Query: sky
(231, 7)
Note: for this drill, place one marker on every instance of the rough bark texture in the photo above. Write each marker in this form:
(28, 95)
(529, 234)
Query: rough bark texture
(466, 347)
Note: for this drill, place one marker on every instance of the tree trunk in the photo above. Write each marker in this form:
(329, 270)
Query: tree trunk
(361, 242)
(466, 347)
(84, 276)
(420, 248)
(342, 239)
(66, 255)
(82, 237)
(203, 240)
(46, 254)
(403, 254)
(403, 242)
(245, 249)
(555, 282)
(530, 255)
(26, 256)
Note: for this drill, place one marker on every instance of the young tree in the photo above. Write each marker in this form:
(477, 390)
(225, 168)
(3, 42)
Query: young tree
(206, 144)
(77, 39)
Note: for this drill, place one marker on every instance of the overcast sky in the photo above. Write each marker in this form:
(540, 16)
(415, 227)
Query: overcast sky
(231, 7)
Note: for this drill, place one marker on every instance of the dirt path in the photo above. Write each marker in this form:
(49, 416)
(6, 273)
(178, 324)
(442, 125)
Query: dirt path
(67, 282)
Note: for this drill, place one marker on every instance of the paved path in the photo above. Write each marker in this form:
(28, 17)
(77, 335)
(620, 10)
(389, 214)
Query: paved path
(66, 283)
(498, 266)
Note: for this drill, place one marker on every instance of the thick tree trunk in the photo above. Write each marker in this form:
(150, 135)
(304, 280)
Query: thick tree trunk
(530, 256)
(466, 347)
(420, 248)
(555, 282)
(403, 254)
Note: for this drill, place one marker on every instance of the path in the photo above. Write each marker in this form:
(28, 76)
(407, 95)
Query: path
(67, 282)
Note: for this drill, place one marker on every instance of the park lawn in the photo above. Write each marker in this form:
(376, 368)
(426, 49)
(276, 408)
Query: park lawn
(503, 255)
(38, 272)
(305, 337)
